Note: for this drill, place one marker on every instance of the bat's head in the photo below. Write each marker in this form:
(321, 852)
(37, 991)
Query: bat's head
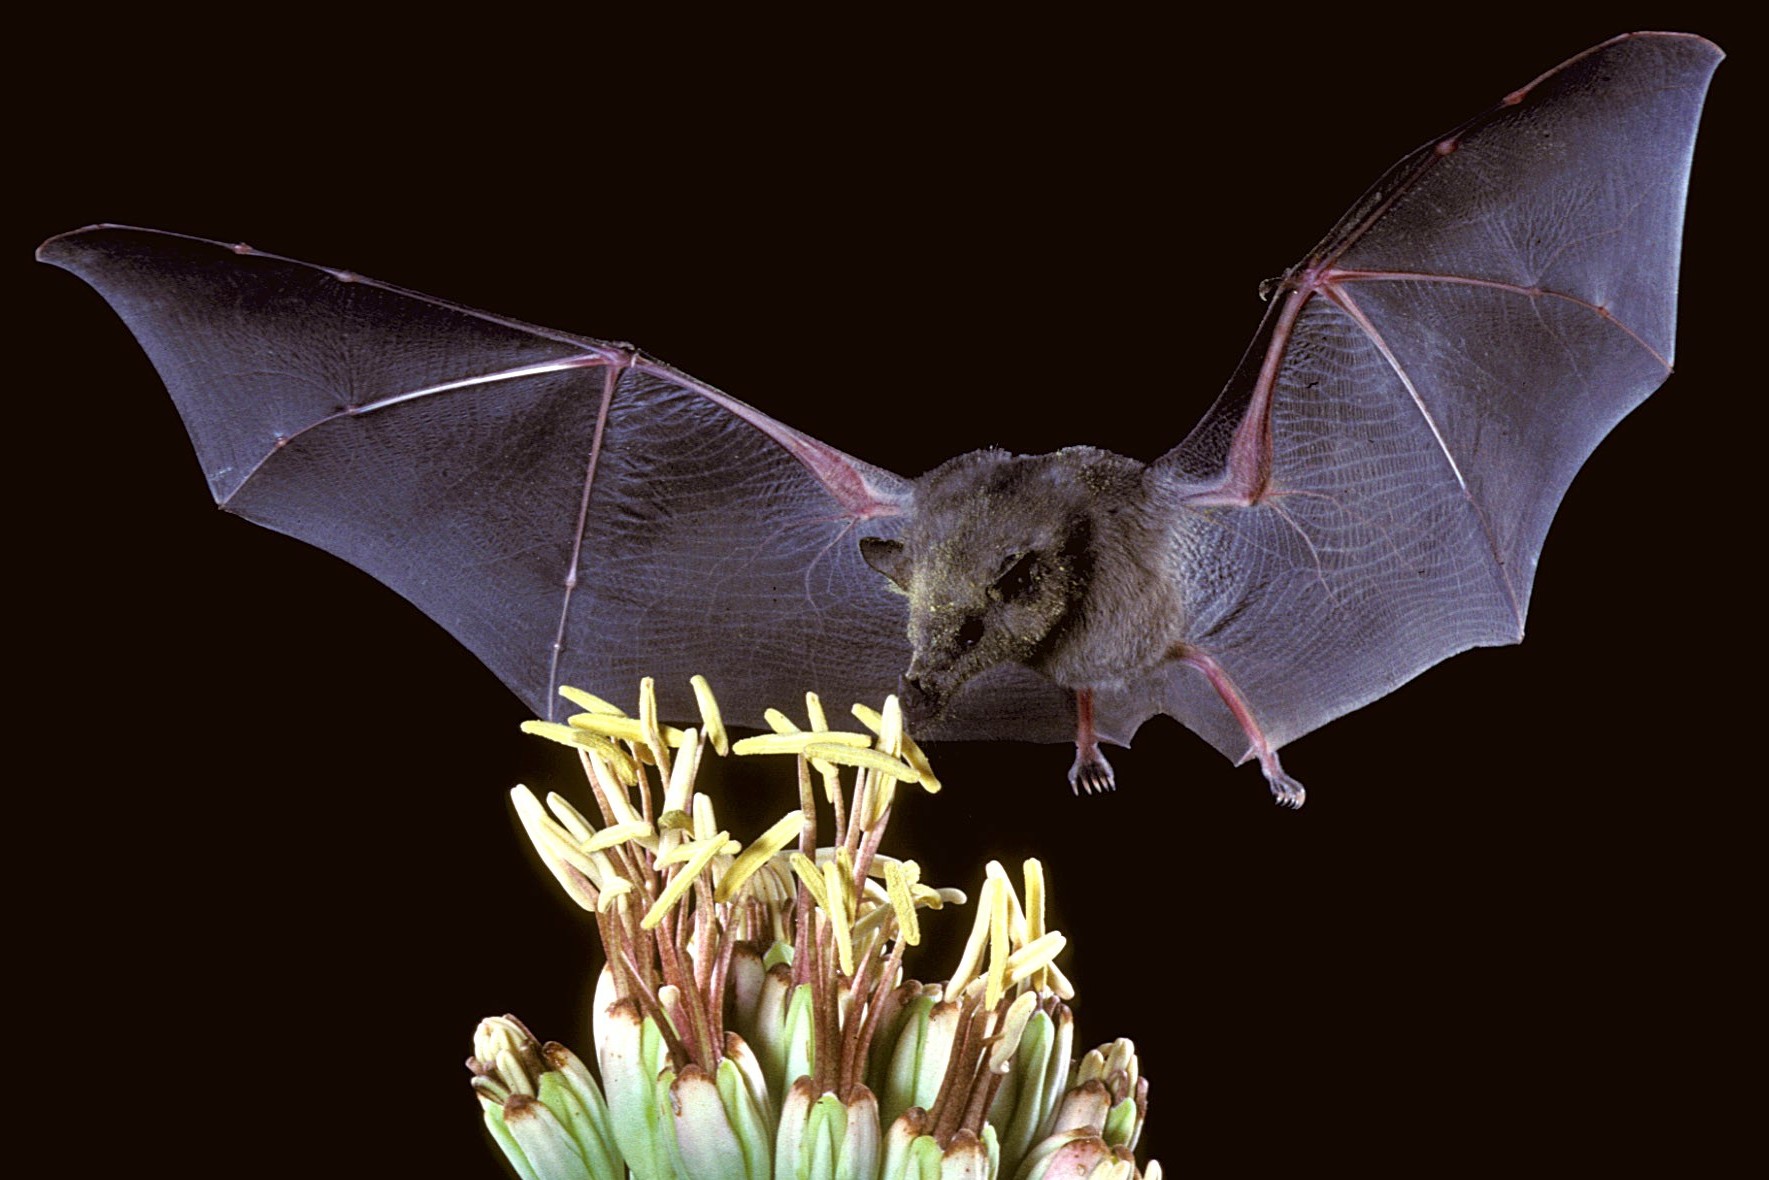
(996, 559)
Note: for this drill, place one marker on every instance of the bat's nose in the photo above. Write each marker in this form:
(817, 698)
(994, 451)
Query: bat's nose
(920, 702)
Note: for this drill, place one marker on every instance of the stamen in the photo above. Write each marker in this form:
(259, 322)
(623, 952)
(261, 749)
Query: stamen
(836, 884)
(1034, 957)
(590, 701)
(703, 853)
(764, 849)
(712, 722)
(796, 741)
(622, 729)
(999, 935)
(811, 877)
(900, 880)
(861, 756)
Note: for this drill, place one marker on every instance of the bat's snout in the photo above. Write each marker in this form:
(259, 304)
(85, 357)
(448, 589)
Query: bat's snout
(921, 702)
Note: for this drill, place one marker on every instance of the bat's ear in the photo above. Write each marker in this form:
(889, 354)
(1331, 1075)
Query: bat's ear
(888, 558)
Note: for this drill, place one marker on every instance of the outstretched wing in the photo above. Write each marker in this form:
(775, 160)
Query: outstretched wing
(1382, 469)
(573, 511)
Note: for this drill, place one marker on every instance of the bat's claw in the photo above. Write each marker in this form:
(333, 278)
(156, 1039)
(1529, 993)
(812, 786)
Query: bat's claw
(1284, 789)
(1091, 772)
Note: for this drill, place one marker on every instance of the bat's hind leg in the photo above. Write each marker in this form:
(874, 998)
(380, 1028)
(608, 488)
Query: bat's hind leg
(1091, 771)
(1286, 790)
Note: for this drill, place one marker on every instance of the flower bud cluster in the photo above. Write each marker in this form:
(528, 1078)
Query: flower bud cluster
(754, 1020)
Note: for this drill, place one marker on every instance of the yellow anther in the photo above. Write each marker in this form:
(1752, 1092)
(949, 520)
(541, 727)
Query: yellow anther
(795, 742)
(623, 729)
(590, 701)
(703, 853)
(617, 889)
(811, 877)
(999, 934)
(901, 887)
(836, 884)
(615, 834)
(1035, 956)
(712, 722)
(890, 727)
(862, 756)
(688, 851)
(764, 849)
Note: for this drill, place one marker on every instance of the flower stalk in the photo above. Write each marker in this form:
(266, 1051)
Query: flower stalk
(754, 1019)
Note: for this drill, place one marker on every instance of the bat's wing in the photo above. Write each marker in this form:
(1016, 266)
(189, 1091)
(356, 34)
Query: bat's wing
(571, 510)
(1383, 467)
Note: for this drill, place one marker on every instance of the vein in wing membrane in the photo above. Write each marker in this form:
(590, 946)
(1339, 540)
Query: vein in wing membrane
(708, 549)
(446, 451)
(1367, 556)
(478, 533)
(1468, 332)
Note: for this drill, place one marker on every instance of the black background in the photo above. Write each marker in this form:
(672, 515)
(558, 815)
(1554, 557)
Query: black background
(266, 876)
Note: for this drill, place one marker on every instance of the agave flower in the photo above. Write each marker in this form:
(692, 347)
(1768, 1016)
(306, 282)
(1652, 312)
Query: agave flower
(754, 1020)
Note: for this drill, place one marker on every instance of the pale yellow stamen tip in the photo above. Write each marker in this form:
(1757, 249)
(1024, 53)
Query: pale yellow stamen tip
(1034, 956)
(1034, 871)
(900, 883)
(890, 726)
(590, 701)
(556, 848)
(615, 834)
(613, 788)
(862, 756)
(924, 770)
(935, 899)
(703, 853)
(711, 720)
(648, 700)
(570, 817)
(565, 735)
(884, 793)
(765, 848)
(837, 881)
(616, 890)
(689, 851)
(979, 937)
(1006, 1040)
(704, 823)
(779, 722)
(795, 742)
(811, 877)
(681, 781)
(999, 932)
(624, 729)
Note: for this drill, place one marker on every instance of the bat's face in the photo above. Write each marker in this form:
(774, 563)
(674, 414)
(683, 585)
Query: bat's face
(994, 560)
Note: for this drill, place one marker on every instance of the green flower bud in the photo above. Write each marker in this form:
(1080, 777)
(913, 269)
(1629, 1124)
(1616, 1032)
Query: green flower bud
(1034, 1082)
(541, 1105)
(636, 1079)
(823, 1138)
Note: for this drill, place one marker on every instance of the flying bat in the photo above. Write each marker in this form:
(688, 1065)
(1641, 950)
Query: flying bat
(1367, 496)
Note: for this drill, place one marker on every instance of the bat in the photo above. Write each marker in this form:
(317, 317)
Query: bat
(1367, 496)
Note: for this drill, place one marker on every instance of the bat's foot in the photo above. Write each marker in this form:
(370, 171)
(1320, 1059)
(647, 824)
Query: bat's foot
(1091, 772)
(1284, 789)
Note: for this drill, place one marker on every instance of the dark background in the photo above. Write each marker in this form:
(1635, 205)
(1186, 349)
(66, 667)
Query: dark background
(266, 875)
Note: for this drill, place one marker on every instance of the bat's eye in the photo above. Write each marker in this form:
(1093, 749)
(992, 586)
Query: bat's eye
(970, 634)
(1017, 581)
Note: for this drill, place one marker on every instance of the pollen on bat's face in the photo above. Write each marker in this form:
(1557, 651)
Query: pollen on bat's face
(992, 562)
